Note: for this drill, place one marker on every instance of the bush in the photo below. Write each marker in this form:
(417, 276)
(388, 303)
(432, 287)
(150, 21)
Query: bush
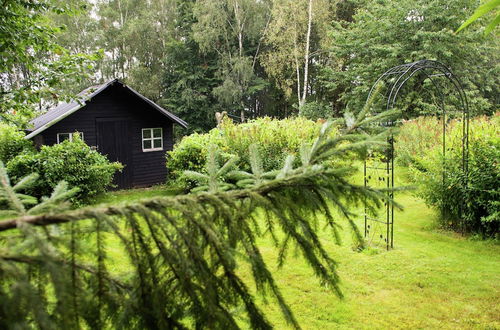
(316, 110)
(475, 208)
(12, 142)
(71, 161)
(415, 138)
(275, 138)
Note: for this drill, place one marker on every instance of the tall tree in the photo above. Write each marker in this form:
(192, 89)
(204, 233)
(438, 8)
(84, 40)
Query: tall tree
(32, 64)
(382, 35)
(293, 39)
(233, 29)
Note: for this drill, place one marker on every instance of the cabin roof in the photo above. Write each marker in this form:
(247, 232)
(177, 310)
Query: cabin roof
(63, 110)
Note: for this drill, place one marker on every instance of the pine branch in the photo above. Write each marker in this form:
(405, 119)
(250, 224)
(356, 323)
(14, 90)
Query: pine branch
(185, 251)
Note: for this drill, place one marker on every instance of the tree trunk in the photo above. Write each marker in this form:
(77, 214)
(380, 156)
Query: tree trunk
(306, 55)
(297, 68)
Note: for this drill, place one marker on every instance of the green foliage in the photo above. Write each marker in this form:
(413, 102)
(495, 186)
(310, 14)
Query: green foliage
(233, 30)
(482, 10)
(12, 142)
(14, 203)
(188, 85)
(33, 65)
(415, 137)
(471, 208)
(382, 35)
(213, 181)
(71, 161)
(274, 139)
(316, 110)
(257, 175)
(185, 252)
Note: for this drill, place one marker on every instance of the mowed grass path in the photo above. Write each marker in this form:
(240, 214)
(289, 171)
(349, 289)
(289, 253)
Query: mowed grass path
(431, 279)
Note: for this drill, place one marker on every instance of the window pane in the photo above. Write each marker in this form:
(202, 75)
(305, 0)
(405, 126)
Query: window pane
(146, 133)
(64, 136)
(157, 143)
(146, 144)
(156, 132)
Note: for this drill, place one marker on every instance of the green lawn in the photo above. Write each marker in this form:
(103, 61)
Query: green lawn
(431, 279)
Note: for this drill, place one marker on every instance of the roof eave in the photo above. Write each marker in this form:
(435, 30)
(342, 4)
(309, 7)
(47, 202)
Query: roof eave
(97, 91)
(157, 107)
(54, 121)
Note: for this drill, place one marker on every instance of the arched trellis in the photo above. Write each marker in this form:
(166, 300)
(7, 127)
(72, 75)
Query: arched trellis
(393, 81)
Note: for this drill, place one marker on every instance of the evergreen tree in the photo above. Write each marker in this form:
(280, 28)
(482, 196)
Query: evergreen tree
(184, 252)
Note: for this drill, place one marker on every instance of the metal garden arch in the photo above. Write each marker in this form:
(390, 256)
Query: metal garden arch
(388, 87)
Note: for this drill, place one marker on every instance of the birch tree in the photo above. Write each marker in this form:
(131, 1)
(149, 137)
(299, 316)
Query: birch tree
(234, 30)
(294, 35)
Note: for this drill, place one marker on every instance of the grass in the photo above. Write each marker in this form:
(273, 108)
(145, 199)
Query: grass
(431, 279)
(124, 196)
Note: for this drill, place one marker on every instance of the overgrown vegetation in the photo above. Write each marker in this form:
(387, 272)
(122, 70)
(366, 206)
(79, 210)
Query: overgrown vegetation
(467, 203)
(275, 139)
(184, 251)
(12, 142)
(15, 203)
(72, 161)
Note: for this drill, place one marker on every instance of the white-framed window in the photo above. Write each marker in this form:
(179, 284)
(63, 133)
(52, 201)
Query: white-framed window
(152, 139)
(67, 136)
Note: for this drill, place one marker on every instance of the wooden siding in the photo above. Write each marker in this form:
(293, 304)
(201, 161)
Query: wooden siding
(148, 168)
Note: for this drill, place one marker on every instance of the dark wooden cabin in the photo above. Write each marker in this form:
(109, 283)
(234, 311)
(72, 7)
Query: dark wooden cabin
(121, 124)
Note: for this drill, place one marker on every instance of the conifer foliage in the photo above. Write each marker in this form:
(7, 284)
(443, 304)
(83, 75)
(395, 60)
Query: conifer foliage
(17, 203)
(184, 253)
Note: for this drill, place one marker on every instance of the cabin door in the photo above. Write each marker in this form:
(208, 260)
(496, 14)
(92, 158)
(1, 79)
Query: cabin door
(114, 141)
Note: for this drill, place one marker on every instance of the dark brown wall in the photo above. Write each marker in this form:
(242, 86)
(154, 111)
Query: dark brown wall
(116, 102)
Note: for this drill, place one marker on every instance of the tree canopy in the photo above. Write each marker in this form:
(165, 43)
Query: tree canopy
(249, 58)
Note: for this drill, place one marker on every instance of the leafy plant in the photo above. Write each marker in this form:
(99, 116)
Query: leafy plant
(273, 138)
(12, 142)
(213, 181)
(71, 161)
(467, 203)
(482, 10)
(257, 175)
(415, 137)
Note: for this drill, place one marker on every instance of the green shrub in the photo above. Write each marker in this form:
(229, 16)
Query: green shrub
(474, 208)
(316, 110)
(415, 138)
(71, 161)
(274, 138)
(12, 142)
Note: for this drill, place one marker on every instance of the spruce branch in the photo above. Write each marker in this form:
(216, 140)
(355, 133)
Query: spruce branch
(17, 202)
(185, 251)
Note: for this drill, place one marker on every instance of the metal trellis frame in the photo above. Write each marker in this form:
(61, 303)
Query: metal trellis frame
(380, 173)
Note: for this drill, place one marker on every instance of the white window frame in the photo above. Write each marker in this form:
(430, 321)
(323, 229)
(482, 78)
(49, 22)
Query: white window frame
(70, 136)
(152, 139)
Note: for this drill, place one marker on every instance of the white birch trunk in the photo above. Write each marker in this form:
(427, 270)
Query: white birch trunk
(306, 55)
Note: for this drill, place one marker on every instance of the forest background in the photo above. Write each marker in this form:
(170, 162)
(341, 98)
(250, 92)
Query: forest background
(278, 58)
